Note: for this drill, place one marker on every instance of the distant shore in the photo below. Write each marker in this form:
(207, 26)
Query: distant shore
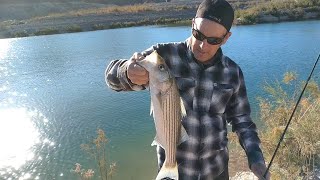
(99, 18)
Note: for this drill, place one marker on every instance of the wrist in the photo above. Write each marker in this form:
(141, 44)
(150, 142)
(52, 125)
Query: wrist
(255, 157)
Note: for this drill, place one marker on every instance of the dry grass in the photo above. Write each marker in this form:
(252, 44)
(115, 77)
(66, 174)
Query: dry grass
(294, 9)
(244, 176)
(97, 150)
(299, 152)
(131, 9)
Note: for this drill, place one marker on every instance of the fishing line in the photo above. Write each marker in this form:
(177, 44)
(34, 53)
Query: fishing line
(294, 110)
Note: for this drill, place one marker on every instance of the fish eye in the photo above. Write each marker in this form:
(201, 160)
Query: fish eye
(161, 67)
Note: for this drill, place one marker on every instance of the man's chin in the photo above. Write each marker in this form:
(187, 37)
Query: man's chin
(201, 58)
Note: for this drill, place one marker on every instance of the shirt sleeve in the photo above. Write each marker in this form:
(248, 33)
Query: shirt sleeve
(116, 77)
(116, 74)
(238, 114)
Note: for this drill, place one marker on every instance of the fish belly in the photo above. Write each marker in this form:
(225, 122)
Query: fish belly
(171, 125)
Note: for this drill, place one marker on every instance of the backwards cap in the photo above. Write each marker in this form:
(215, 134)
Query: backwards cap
(219, 11)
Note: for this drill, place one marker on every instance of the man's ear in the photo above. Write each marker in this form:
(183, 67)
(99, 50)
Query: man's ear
(226, 38)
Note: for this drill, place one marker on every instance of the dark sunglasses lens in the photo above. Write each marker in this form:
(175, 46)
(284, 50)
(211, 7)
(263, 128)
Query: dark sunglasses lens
(211, 40)
(198, 35)
(214, 41)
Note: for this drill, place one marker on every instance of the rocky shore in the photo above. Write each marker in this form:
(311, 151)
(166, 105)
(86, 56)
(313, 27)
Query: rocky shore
(48, 19)
(90, 22)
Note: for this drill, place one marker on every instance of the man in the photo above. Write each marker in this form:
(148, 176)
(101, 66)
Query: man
(213, 91)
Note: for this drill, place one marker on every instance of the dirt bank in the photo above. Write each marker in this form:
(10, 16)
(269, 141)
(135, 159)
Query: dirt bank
(64, 22)
(53, 18)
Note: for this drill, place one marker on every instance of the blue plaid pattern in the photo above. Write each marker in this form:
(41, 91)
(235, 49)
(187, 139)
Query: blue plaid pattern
(214, 94)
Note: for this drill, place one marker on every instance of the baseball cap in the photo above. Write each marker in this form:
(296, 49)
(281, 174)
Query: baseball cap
(219, 11)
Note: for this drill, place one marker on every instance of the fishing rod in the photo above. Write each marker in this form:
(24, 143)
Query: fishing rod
(294, 110)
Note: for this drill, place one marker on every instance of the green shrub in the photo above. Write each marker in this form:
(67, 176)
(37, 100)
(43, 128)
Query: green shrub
(98, 27)
(183, 7)
(312, 9)
(74, 28)
(20, 34)
(294, 9)
(248, 17)
(46, 31)
(297, 13)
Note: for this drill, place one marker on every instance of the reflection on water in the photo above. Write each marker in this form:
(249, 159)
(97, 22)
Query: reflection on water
(4, 46)
(17, 137)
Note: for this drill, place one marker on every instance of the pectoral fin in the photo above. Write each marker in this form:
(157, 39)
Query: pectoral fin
(183, 135)
(155, 101)
(183, 108)
(156, 142)
(151, 109)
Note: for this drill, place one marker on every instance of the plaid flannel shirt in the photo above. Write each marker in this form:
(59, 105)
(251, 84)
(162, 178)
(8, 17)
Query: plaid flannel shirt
(214, 94)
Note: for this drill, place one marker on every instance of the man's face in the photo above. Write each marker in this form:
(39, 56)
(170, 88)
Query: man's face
(202, 50)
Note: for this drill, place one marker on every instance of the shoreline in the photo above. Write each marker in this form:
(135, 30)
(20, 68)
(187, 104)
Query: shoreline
(19, 30)
(181, 13)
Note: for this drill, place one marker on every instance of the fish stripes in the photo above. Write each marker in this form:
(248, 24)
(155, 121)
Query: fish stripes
(171, 124)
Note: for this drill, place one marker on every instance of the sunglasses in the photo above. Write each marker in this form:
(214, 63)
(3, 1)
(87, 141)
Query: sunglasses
(211, 40)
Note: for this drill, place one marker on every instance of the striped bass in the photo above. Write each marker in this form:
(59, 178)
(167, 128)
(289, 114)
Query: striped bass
(167, 109)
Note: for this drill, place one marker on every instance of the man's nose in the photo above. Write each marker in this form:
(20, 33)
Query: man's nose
(203, 44)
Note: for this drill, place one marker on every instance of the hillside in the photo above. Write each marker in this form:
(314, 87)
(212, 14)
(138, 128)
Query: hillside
(26, 9)
(40, 17)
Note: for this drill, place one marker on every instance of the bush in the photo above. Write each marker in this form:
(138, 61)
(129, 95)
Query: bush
(248, 17)
(98, 27)
(97, 150)
(300, 148)
(47, 31)
(294, 9)
(297, 14)
(306, 3)
(20, 34)
(74, 28)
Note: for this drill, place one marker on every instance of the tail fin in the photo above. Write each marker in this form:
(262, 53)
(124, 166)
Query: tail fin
(168, 172)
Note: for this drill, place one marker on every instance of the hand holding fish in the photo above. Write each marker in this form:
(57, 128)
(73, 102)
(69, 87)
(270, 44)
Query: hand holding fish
(137, 74)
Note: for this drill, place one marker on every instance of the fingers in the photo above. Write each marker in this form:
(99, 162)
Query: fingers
(137, 74)
(136, 56)
(137, 69)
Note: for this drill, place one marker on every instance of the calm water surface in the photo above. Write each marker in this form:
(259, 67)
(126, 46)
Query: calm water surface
(53, 96)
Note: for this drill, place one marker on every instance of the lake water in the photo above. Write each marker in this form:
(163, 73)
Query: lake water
(53, 96)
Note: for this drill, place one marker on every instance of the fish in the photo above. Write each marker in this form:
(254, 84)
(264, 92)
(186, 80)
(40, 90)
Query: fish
(168, 110)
